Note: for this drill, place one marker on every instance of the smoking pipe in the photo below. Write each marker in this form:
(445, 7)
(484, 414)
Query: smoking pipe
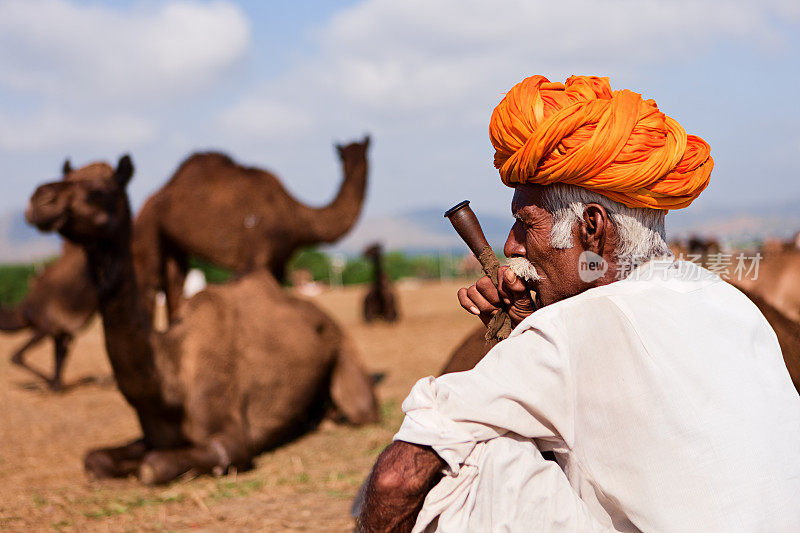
(469, 229)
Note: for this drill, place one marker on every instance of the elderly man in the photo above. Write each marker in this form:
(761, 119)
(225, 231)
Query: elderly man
(660, 388)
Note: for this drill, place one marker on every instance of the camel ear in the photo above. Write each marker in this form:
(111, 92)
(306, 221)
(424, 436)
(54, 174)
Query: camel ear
(66, 168)
(340, 150)
(124, 170)
(366, 141)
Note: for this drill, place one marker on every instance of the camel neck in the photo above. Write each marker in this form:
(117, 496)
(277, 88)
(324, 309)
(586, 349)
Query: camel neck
(377, 261)
(126, 323)
(329, 223)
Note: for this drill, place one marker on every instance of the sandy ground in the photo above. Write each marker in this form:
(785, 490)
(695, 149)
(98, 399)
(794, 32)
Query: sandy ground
(307, 485)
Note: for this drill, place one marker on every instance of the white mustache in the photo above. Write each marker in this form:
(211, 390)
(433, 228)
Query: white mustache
(523, 268)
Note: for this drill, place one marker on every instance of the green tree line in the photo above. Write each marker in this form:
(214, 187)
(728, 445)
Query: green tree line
(14, 282)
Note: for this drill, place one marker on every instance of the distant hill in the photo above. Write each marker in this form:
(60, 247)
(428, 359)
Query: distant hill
(738, 224)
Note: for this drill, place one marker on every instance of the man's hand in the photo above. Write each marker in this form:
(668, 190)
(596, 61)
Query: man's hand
(400, 480)
(484, 299)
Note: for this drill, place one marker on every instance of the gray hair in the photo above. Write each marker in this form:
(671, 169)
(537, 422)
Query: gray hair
(641, 231)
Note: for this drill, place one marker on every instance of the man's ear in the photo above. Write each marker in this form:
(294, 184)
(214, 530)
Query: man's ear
(594, 227)
(124, 170)
(66, 168)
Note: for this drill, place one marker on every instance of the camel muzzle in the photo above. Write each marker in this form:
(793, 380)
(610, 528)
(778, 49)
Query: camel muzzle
(44, 209)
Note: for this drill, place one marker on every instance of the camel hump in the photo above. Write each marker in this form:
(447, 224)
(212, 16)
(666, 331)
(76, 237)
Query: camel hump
(200, 161)
(218, 158)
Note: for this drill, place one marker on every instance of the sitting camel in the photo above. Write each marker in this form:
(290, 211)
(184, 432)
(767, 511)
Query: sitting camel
(59, 303)
(236, 217)
(380, 301)
(246, 367)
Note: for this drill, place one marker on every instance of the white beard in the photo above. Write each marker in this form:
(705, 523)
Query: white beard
(523, 268)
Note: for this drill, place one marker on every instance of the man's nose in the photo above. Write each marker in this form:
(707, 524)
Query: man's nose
(512, 246)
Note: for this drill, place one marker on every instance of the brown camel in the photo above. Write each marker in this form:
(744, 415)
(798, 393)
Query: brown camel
(245, 367)
(380, 301)
(236, 217)
(59, 303)
(778, 282)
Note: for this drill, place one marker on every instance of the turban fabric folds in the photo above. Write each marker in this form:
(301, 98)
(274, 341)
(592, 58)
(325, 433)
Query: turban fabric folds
(612, 142)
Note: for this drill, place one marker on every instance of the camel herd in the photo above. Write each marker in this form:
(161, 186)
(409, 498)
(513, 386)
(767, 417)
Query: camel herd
(242, 366)
(212, 208)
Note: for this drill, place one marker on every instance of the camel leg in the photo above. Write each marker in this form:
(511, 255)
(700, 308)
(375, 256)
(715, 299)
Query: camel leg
(147, 253)
(62, 344)
(389, 309)
(19, 356)
(121, 461)
(176, 265)
(213, 457)
(351, 388)
(370, 307)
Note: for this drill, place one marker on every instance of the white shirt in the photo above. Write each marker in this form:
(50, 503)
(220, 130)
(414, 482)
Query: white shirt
(664, 396)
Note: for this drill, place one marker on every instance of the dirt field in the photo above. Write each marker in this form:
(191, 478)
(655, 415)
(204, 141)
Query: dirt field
(305, 485)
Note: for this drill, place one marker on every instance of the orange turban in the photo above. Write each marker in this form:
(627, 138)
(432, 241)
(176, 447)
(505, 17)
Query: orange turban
(612, 142)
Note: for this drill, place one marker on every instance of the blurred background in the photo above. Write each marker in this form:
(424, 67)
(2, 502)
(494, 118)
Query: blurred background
(276, 84)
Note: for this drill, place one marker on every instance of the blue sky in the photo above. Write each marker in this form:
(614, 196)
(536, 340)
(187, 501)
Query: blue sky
(275, 84)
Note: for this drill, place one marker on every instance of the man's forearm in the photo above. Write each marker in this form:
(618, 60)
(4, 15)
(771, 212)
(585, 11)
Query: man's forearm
(400, 480)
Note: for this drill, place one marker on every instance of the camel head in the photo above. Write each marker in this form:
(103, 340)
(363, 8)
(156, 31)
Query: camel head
(353, 154)
(373, 251)
(90, 204)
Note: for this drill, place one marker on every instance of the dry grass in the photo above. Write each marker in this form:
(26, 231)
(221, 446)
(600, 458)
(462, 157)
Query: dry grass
(305, 485)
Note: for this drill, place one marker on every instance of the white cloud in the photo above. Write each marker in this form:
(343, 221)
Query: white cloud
(266, 119)
(96, 53)
(50, 130)
(390, 52)
(451, 59)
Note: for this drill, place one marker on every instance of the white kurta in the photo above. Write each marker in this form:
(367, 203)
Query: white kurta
(664, 396)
